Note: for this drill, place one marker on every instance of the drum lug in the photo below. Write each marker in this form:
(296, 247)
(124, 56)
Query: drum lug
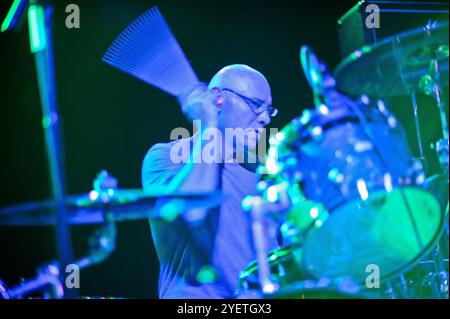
(415, 174)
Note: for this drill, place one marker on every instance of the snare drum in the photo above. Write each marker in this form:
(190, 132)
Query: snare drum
(284, 267)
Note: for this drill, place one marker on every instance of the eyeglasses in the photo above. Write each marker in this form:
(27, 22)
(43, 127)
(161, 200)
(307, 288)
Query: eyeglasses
(257, 106)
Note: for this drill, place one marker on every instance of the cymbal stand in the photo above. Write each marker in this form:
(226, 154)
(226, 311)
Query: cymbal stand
(417, 126)
(47, 280)
(101, 244)
(430, 85)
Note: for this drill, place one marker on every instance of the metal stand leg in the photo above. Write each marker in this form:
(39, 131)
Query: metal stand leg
(260, 241)
(417, 126)
(48, 280)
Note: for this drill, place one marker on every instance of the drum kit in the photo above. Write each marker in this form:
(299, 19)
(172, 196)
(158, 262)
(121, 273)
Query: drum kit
(356, 215)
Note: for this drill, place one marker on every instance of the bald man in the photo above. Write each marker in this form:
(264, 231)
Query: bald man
(237, 97)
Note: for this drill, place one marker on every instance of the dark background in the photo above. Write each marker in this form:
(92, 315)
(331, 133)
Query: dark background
(111, 119)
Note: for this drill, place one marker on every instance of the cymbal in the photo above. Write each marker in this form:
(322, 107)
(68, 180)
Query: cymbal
(122, 205)
(395, 65)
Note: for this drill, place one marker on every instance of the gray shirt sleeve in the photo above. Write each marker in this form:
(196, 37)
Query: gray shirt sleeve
(157, 168)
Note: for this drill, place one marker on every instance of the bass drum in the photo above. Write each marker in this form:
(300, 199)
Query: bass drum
(363, 174)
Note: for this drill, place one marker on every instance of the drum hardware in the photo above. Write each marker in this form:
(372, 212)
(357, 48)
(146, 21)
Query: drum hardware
(3, 290)
(47, 281)
(105, 205)
(430, 84)
(301, 221)
(399, 289)
(443, 154)
(439, 277)
(427, 279)
(258, 211)
(274, 201)
(286, 204)
(417, 128)
(101, 245)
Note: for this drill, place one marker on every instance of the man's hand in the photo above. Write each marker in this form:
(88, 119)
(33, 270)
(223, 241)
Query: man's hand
(197, 175)
(200, 104)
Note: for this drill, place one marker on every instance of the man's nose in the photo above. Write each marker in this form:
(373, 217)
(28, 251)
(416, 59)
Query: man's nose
(264, 118)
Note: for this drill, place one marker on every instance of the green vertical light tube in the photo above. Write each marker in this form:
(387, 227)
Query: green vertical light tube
(36, 27)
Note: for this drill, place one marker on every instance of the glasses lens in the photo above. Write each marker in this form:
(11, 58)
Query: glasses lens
(258, 109)
(272, 111)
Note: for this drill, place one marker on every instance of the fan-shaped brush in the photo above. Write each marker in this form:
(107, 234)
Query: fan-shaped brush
(148, 50)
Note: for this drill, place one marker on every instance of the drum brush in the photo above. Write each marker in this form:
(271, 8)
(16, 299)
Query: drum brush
(148, 50)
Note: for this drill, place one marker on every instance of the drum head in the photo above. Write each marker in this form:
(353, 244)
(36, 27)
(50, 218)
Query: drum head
(389, 230)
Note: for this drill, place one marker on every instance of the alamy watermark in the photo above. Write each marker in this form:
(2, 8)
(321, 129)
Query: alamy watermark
(73, 17)
(228, 145)
(373, 277)
(73, 276)
(373, 17)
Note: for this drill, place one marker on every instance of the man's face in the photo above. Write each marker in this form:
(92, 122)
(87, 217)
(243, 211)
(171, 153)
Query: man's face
(245, 94)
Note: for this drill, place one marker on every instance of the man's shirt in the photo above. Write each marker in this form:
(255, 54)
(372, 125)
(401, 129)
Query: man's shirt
(229, 243)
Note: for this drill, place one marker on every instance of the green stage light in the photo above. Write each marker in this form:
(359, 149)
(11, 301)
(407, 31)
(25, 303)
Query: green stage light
(11, 15)
(36, 26)
(207, 275)
(350, 12)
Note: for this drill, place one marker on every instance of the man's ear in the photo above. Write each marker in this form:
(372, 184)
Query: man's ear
(218, 95)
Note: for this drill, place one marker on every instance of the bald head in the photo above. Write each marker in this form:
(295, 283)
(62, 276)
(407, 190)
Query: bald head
(242, 79)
